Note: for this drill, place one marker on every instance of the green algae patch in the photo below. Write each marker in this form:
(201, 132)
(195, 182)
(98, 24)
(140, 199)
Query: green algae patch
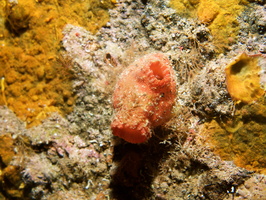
(241, 139)
(219, 15)
(35, 78)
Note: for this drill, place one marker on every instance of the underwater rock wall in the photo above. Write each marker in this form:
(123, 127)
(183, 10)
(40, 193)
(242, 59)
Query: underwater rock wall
(195, 155)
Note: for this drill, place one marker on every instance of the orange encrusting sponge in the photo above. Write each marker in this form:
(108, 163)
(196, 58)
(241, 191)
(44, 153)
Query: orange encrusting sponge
(143, 98)
(243, 80)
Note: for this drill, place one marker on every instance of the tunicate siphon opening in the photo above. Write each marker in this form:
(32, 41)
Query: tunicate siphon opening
(158, 69)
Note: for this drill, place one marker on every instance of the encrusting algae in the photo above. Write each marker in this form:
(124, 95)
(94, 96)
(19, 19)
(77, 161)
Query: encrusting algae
(35, 78)
(219, 15)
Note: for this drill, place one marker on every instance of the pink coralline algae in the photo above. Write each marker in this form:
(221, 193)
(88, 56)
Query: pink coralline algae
(143, 98)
